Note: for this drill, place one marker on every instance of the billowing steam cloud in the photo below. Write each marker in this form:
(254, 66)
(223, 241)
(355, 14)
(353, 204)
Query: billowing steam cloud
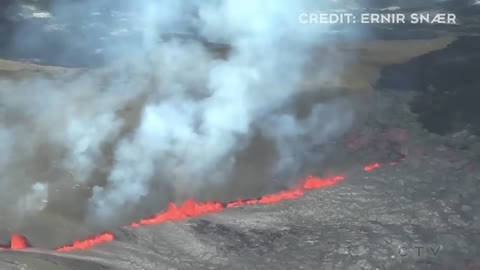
(174, 114)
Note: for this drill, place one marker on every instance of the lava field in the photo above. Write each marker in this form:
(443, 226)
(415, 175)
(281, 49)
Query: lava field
(237, 145)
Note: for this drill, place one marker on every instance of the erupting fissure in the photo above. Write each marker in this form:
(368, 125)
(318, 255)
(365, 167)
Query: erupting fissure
(371, 167)
(88, 243)
(17, 242)
(192, 208)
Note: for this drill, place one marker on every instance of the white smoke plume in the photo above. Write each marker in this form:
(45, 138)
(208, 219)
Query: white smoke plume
(174, 114)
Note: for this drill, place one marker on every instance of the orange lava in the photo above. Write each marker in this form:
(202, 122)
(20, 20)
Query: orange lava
(18, 241)
(192, 208)
(269, 198)
(189, 208)
(87, 243)
(371, 167)
(315, 182)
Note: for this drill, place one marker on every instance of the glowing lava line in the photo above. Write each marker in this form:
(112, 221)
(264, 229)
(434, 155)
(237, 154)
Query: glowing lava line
(315, 182)
(17, 242)
(371, 167)
(192, 208)
(189, 208)
(87, 243)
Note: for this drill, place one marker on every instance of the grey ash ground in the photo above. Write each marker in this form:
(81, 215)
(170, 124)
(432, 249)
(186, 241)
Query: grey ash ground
(423, 213)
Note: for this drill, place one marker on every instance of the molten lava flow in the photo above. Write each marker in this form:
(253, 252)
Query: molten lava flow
(87, 243)
(280, 196)
(190, 208)
(371, 167)
(238, 202)
(315, 182)
(270, 198)
(18, 241)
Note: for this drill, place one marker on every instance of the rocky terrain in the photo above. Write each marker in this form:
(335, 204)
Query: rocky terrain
(422, 213)
(419, 209)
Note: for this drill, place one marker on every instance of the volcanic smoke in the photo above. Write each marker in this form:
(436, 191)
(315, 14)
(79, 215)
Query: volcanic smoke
(168, 120)
(174, 116)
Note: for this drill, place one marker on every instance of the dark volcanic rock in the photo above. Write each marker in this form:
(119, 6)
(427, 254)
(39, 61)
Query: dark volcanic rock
(447, 81)
(420, 213)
